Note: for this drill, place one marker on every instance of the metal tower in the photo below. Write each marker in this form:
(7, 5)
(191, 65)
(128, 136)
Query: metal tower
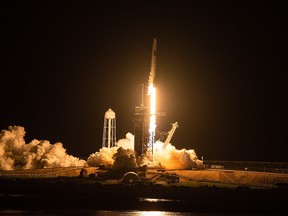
(141, 125)
(144, 131)
(109, 129)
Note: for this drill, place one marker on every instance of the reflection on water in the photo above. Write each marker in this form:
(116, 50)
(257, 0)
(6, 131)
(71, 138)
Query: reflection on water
(158, 200)
(160, 213)
(105, 213)
(143, 213)
(151, 213)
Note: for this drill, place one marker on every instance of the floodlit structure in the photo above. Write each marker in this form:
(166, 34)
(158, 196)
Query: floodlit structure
(109, 129)
(170, 134)
(141, 126)
(152, 95)
(145, 117)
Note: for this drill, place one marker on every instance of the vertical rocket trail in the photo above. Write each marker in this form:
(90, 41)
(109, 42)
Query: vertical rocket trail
(152, 94)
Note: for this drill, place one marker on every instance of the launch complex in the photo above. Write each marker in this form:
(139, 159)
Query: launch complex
(126, 185)
(111, 161)
(144, 118)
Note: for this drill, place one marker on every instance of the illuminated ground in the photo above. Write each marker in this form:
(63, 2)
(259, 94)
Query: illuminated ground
(197, 191)
(218, 177)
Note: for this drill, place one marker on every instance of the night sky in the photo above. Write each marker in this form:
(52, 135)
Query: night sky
(220, 72)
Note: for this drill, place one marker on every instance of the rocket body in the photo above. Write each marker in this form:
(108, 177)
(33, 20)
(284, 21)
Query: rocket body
(152, 75)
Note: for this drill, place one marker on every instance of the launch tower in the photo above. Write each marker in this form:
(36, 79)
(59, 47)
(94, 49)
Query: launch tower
(109, 129)
(141, 127)
(145, 117)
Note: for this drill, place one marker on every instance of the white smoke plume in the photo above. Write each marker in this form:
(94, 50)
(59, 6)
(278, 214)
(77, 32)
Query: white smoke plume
(123, 156)
(172, 158)
(107, 156)
(126, 143)
(103, 157)
(16, 154)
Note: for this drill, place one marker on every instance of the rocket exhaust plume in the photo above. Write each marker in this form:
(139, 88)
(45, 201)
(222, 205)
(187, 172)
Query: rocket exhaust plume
(15, 153)
(165, 156)
(124, 149)
(152, 94)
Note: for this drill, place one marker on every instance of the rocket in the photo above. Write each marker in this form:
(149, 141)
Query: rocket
(152, 94)
(152, 75)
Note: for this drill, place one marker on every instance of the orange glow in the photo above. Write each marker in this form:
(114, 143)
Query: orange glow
(152, 93)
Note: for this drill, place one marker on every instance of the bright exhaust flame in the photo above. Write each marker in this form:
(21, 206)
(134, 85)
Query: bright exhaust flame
(152, 123)
(152, 94)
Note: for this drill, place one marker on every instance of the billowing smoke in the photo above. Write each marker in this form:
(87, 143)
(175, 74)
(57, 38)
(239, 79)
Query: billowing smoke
(15, 153)
(124, 159)
(172, 158)
(120, 156)
(123, 156)
(105, 157)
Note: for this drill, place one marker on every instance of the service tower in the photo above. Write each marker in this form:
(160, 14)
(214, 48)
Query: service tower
(145, 117)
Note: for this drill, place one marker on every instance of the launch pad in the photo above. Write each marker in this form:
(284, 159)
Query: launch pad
(65, 193)
(141, 135)
(191, 178)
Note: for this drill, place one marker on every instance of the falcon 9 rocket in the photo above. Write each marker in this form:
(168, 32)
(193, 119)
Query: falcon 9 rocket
(152, 94)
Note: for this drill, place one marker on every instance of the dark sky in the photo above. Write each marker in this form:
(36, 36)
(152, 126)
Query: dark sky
(220, 72)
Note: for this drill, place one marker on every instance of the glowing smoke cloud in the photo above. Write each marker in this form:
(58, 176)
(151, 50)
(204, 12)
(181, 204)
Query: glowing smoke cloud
(15, 153)
(123, 156)
(107, 156)
(172, 158)
(103, 157)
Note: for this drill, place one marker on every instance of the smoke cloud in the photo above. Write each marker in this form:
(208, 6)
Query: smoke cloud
(172, 158)
(123, 156)
(15, 153)
(120, 156)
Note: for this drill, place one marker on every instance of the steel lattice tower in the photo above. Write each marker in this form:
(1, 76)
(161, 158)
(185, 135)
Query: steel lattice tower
(109, 129)
(141, 125)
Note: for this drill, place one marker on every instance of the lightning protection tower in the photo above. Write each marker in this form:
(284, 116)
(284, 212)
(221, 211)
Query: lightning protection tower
(109, 129)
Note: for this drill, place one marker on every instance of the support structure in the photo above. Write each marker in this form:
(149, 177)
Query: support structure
(170, 134)
(152, 110)
(109, 129)
(145, 117)
(141, 125)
